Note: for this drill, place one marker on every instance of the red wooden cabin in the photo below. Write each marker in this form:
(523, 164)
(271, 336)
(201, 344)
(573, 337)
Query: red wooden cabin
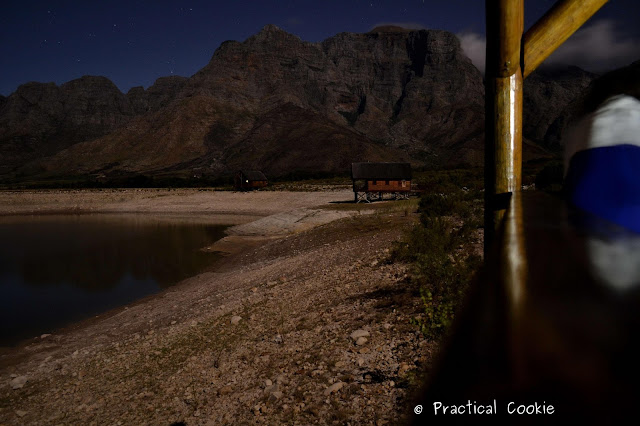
(371, 179)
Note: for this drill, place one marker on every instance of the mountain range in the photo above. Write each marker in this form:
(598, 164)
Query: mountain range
(281, 105)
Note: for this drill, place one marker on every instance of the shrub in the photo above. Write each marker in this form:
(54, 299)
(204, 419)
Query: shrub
(449, 215)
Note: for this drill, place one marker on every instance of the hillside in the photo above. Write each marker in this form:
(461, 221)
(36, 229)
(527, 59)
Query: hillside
(280, 104)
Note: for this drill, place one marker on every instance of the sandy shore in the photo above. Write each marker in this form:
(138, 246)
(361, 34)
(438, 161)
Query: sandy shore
(266, 338)
(165, 201)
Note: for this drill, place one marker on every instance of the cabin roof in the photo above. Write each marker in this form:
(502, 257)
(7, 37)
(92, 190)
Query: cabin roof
(386, 171)
(253, 175)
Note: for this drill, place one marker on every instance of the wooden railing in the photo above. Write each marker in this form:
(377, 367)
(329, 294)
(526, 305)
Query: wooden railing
(549, 321)
(512, 56)
(544, 326)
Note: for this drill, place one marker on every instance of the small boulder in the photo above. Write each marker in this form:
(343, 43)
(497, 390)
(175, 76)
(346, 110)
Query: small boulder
(272, 388)
(225, 390)
(361, 341)
(18, 382)
(333, 388)
(235, 319)
(359, 333)
(274, 396)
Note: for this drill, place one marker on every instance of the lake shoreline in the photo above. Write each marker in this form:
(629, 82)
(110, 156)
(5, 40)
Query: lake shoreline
(279, 309)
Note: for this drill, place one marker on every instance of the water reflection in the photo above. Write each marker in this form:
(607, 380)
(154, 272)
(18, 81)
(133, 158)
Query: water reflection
(57, 269)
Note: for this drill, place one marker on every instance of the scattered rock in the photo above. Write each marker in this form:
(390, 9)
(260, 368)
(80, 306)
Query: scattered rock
(268, 383)
(333, 388)
(272, 388)
(44, 336)
(274, 396)
(404, 367)
(235, 319)
(21, 413)
(225, 390)
(361, 341)
(18, 382)
(359, 333)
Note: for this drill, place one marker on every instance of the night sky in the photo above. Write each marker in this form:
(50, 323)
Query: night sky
(134, 42)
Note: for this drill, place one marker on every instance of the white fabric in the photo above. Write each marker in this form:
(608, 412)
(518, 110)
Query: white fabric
(616, 262)
(616, 122)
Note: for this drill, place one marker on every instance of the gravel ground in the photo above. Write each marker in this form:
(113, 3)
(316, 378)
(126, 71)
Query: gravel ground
(307, 328)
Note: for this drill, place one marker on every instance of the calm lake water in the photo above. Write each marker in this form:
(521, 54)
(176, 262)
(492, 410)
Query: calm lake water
(58, 269)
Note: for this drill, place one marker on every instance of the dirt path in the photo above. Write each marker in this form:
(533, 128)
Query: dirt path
(265, 339)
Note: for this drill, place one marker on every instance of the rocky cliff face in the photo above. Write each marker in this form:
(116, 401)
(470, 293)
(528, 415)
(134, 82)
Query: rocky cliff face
(276, 103)
(41, 119)
(548, 94)
(413, 91)
(163, 91)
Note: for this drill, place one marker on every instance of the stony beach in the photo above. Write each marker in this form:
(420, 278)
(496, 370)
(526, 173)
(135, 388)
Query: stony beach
(304, 321)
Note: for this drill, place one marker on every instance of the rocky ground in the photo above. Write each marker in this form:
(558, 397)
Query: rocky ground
(311, 327)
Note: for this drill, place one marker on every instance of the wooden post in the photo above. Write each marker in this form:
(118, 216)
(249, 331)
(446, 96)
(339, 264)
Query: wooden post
(562, 20)
(503, 109)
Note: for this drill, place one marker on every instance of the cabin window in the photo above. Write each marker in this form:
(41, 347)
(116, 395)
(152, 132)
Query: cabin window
(386, 182)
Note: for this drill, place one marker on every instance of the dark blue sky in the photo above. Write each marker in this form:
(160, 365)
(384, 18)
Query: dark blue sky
(134, 42)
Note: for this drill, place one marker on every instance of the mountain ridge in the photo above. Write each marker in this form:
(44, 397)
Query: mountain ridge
(396, 95)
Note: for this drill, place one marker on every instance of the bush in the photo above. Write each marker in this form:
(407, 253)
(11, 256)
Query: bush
(441, 270)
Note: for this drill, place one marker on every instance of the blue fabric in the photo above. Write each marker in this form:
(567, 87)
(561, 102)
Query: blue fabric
(606, 182)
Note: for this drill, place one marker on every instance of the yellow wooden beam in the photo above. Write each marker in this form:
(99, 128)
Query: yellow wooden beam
(503, 109)
(546, 35)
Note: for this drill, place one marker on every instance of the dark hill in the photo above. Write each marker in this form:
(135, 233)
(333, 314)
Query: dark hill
(277, 103)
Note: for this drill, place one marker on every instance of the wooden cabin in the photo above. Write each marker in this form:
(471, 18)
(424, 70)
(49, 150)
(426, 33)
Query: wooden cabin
(376, 179)
(246, 180)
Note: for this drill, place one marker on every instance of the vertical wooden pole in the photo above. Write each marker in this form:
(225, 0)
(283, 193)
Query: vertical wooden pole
(503, 109)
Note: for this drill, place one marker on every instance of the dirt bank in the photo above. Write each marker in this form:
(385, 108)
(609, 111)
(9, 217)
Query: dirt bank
(267, 338)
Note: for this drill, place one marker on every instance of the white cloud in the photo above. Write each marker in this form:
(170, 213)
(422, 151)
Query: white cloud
(596, 47)
(474, 46)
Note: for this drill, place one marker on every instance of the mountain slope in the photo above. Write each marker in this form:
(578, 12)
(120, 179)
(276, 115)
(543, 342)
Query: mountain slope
(277, 103)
